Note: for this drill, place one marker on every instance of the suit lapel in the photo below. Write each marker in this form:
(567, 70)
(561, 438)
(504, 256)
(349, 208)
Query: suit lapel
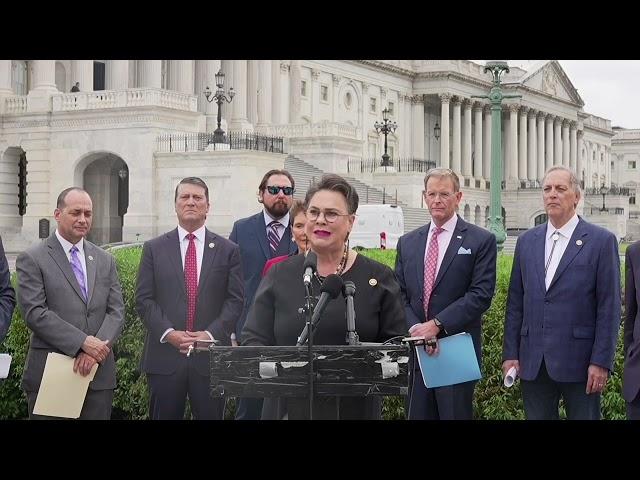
(571, 251)
(90, 262)
(60, 257)
(210, 250)
(539, 241)
(454, 245)
(261, 234)
(420, 249)
(173, 252)
(288, 236)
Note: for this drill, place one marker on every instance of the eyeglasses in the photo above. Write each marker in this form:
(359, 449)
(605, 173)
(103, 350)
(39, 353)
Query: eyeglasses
(330, 216)
(444, 196)
(273, 190)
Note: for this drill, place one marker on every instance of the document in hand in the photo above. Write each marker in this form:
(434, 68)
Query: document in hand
(5, 362)
(455, 363)
(62, 391)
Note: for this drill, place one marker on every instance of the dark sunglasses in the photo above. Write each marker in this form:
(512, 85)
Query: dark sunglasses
(274, 190)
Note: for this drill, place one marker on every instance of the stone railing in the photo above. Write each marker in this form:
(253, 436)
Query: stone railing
(133, 97)
(14, 105)
(626, 135)
(320, 129)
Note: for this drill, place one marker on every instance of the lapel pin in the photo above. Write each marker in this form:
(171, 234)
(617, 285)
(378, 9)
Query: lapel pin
(211, 245)
(458, 236)
(373, 282)
(578, 242)
(90, 258)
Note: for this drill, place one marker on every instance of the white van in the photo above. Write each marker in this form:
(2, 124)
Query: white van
(371, 221)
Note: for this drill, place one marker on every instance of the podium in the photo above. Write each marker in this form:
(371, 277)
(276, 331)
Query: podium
(285, 371)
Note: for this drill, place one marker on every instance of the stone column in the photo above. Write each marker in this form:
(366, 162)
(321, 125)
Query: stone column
(44, 85)
(5, 78)
(541, 156)
(522, 144)
(239, 121)
(418, 126)
(565, 143)
(118, 74)
(183, 73)
(486, 151)
(445, 98)
(532, 154)
(264, 92)
(276, 98)
(455, 148)
(549, 160)
(579, 159)
(82, 71)
(314, 95)
(151, 74)
(513, 141)
(557, 141)
(252, 91)
(206, 77)
(285, 82)
(294, 92)
(477, 148)
(466, 140)
(573, 155)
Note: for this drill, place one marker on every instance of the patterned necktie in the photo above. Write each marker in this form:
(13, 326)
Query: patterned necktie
(430, 264)
(78, 271)
(273, 236)
(191, 280)
(555, 237)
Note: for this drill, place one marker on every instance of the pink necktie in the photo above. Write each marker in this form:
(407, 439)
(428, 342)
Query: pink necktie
(430, 265)
(191, 280)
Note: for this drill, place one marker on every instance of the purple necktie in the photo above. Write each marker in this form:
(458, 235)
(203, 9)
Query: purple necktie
(273, 236)
(78, 271)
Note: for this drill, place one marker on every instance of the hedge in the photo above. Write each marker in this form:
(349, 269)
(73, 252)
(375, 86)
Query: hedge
(492, 400)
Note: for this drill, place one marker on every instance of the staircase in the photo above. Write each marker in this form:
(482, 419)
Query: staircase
(306, 174)
(509, 245)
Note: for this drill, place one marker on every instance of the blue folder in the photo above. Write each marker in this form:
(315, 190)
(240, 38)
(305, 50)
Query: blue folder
(455, 363)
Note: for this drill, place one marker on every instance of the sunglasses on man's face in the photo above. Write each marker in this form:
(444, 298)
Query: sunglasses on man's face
(274, 190)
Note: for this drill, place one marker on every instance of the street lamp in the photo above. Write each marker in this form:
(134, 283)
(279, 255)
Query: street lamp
(385, 127)
(219, 97)
(603, 191)
(497, 68)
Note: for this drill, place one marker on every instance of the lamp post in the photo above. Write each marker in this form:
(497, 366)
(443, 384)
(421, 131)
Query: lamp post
(497, 68)
(385, 127)
(603, 191)
(219, 97)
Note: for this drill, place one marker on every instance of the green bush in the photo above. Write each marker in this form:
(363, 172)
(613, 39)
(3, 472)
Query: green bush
(492, 400)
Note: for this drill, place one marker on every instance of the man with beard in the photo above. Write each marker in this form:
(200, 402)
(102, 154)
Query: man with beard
(263, 236)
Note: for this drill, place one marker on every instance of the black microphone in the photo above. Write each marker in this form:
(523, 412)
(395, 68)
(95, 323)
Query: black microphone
(331, 288)
(310, 266)
(348, 291)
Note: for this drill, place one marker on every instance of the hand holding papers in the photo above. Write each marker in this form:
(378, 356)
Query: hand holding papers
(62, 391)
(5, 362)
(455, 363)
(510, 377)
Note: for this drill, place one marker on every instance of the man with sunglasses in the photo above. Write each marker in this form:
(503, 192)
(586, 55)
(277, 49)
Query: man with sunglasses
(263, 236)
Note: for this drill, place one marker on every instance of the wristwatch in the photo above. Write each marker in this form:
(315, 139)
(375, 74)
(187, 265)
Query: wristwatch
(438, 324)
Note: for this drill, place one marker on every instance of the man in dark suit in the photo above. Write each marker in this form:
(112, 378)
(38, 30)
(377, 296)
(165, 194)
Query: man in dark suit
(71, 300)
(563, 308)
(7, 295)
(631, 374)
(447, 275)
(189, 289)
(263, 236)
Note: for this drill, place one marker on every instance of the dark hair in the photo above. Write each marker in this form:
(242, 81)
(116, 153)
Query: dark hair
(60, 203)
(335, 183)
(193, 181)
(270, 173)
(296, 207)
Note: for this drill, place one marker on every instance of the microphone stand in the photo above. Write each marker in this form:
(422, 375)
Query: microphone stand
(308, 308)
(352, 335)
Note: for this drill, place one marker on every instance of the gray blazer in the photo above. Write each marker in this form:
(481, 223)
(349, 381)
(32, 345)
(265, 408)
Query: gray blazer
(57, 314)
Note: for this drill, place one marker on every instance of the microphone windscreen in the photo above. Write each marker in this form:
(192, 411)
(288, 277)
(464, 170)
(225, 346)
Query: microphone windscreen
(311, 260)
(349, 288)
(332, 285)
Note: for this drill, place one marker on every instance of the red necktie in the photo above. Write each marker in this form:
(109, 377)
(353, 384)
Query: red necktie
(430, 265)
(191, 280)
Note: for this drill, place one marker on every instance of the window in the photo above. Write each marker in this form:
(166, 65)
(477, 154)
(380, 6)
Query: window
(22, 184)
(391, 108)
(632, 164)
(612, 166)
(372, 104)
(632, 200)
(303, 88)
(348, 100)
(324, 93)
(390, 152)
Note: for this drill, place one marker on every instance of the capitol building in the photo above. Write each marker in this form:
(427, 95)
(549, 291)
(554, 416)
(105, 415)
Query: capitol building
(128, 130)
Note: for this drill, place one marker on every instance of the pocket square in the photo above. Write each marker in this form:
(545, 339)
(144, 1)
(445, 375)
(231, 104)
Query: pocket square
(463, 251)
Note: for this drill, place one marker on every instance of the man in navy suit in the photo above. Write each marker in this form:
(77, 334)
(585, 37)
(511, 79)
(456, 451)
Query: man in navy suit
(189, 289)
(631, 375)
(7, 295)
(447, 275)
(262, 236)
(563, 309)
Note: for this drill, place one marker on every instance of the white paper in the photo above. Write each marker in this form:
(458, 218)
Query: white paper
(5, 363)
(268, 369)
(510, 377)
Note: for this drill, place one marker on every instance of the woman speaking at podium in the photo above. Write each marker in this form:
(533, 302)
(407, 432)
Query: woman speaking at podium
(274, 319)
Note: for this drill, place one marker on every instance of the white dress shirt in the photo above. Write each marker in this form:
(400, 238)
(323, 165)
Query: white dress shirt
(67, 246)
(444, 239)
(564, 235)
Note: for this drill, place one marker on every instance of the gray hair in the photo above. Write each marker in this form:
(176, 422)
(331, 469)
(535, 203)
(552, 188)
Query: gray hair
(440, 172)
(573, 179)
